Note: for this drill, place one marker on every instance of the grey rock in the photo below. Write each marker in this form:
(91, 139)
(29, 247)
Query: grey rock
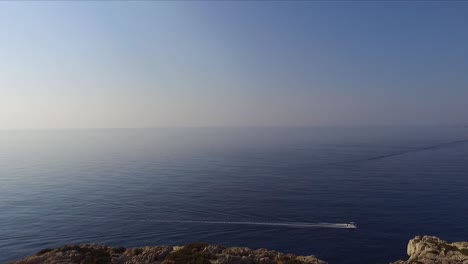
(433, 250)
(191, 253)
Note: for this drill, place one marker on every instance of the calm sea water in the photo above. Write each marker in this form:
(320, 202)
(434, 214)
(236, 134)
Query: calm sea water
(130, 187)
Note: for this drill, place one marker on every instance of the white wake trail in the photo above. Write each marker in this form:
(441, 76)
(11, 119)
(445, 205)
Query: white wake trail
(277, 224)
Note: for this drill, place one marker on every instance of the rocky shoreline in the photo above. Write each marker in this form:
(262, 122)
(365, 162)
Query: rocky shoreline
(430, 249)
(197, 253)
(421, 250)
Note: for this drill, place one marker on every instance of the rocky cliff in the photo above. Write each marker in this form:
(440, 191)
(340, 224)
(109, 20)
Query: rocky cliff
(432, 250)
(189, 254)
(421, 250)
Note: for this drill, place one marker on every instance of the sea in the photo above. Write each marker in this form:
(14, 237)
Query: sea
(283, 188)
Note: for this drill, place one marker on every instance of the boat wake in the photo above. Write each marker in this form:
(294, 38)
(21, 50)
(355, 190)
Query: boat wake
(431, 147)
(275, 224)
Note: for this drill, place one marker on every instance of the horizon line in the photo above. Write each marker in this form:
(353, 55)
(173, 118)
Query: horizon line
(234, 126)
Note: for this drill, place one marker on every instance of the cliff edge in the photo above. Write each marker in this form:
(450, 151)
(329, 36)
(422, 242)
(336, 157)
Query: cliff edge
(433, 250)
(198, 253)
(421, 250)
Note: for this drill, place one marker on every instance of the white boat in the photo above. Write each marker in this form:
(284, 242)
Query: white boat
(351, 225)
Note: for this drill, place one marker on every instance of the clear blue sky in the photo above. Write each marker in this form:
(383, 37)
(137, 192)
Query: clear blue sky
(151, 64)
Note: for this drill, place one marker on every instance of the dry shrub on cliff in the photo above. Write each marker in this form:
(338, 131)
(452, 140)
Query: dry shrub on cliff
(189, 254)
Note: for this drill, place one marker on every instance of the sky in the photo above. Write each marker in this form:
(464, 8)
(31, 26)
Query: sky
(123, 64)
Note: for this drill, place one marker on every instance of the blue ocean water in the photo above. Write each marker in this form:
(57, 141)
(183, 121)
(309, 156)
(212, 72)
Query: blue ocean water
(135, 187)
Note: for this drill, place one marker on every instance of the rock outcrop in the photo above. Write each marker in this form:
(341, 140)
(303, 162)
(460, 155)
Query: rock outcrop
(198, 253)
(432, 250)
(421, 250)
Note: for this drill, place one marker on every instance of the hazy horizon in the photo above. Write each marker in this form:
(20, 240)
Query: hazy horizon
(74, 65)
(356, 126)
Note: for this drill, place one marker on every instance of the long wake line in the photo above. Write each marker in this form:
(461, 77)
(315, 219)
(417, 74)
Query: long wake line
(432, 147)
(285, 224)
